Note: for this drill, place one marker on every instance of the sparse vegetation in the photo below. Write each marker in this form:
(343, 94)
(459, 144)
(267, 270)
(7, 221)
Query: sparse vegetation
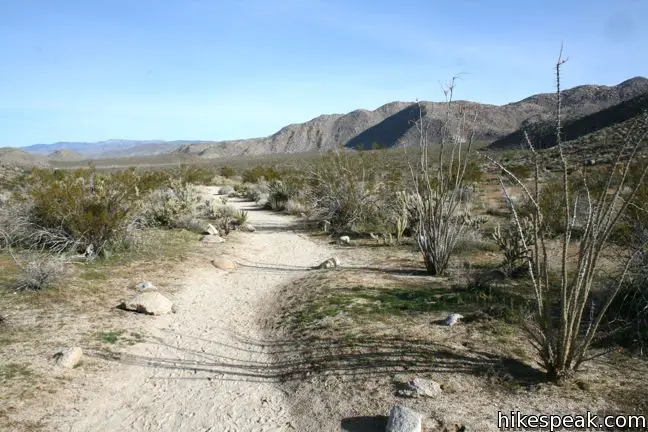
(566, 320)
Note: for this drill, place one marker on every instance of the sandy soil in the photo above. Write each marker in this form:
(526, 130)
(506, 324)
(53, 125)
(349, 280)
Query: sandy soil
(207, 367)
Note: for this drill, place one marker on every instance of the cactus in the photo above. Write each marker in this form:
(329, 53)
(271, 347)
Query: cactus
(512, 241)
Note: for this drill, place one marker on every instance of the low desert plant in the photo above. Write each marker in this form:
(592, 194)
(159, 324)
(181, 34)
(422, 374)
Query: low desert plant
(227, 171)
(514, 243)
(346, 190)
(241, 217)
(76, 209)
(259, 173)
(226, 190)
(279, 193)
(175, 206)
(38, 271)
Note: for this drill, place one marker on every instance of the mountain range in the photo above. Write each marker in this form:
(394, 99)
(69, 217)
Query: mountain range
(391, 125)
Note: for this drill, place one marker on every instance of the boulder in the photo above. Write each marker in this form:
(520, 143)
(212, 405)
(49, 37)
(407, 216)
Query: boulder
(403, 419)
(68, 358)
(211, 230)
(345, 240)
(224, 263)
(420, 387)
(151, 303)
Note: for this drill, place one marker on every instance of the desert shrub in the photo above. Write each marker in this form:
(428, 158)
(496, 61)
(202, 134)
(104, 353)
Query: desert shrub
(279, 193)
(77, 209)
(241, 217)
(258, 173)
(473, 172)
(297, 207)
(520, 171)
(226, 190)
(626, 320)
(227, 171)
(174, 206)
(152, 179)
(38, 272)
(348, 190)
(194, 175)
(515, 242)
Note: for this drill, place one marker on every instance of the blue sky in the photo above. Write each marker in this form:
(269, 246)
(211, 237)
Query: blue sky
(79, 70)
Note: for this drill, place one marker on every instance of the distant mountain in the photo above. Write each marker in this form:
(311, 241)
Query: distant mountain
(65, 155)
(543, 133)
(391, 125)
(14, 157)
(111, 148)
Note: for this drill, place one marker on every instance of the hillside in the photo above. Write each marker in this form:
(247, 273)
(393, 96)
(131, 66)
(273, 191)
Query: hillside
(392, 124)
(64, 155)
(111, 148)
(12, 157)
(543, 135)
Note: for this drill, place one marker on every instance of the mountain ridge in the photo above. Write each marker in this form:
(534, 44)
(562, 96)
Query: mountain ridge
(390, 125)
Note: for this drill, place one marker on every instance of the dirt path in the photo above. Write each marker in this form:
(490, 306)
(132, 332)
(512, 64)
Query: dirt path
(209, 367)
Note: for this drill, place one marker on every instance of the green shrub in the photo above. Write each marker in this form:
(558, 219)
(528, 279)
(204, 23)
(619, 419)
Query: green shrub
(174, 206)
(350, 191)
(258, 173)
(279, 194)
(86, 207)
(227, 171)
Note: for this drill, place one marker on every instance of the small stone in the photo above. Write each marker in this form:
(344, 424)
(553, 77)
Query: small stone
(143, 286)
(211, 230)
(224, 263)
(329, 263)
(420, 387)
(69, 358)
(403, 419)
(150, 302)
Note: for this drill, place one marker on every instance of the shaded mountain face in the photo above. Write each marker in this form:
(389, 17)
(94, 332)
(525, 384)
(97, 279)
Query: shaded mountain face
(542, 134)
(391, 125)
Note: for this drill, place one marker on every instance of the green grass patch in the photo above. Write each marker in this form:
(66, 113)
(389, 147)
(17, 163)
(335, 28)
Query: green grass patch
(12, 371)
(94, 275)
(113, 337)
(109, 337)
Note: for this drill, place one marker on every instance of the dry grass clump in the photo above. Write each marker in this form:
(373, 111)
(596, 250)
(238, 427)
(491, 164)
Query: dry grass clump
(38, 272)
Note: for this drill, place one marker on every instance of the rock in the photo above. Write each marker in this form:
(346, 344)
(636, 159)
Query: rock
(68, 358)
(403, 419)
(210, 239)
(420, 387)
(224, 263)
(151, 303)
(345, 240)
(211, 230)
(248, 228)
(329, 263)
(453, 319)
(143, 286)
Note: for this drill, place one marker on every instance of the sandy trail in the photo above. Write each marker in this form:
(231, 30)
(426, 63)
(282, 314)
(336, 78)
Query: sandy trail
(209, 367)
